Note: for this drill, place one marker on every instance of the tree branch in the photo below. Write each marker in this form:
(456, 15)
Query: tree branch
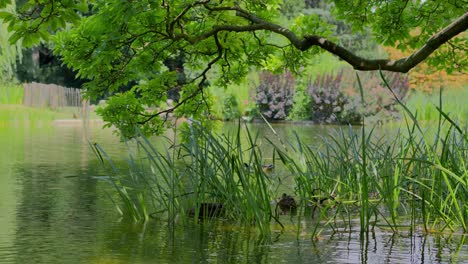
(201, 83)
(184, 11)
(456, 27)
(359, 63)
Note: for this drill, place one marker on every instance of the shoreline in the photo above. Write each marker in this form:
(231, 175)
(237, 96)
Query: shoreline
(75, 122)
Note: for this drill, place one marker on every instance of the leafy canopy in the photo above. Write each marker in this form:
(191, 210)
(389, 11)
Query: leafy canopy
(117, 43)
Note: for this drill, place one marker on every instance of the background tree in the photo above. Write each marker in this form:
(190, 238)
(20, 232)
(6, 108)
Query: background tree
(127, 42)
(39, 64)
(8, 51)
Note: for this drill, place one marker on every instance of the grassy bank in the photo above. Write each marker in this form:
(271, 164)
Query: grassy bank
(12, 109)
(19, 113)
(454, 103)
(11, 93)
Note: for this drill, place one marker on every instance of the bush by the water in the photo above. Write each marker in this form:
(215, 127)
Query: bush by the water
(275, 95)
(330, 98)
(328, 102)
(300, 109)
(334, 99)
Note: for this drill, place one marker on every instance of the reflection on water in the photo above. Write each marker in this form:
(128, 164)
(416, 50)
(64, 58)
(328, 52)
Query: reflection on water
(53, 210)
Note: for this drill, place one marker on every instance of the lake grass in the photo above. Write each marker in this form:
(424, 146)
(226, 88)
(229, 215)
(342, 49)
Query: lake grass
(407, 182)
(404, 183)
(208, 169)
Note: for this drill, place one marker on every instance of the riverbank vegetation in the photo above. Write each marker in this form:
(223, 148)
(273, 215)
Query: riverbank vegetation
(333, 97)
(425, 104)
(13, 110)
(28, 115)
(409, 181)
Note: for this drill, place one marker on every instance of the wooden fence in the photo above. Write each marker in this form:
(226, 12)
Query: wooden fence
(51, 95)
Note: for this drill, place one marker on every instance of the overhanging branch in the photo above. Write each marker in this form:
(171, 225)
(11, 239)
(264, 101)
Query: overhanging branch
(359, 63)
(202, 77)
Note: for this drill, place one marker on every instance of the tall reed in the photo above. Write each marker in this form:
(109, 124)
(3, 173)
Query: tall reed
(386, 177)
(401, 182)
(208, 168)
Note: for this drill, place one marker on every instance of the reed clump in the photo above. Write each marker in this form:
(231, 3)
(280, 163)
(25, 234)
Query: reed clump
(413, 180)
(207, 169)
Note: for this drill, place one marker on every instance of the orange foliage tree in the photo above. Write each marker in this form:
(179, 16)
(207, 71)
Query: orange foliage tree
(428, 79)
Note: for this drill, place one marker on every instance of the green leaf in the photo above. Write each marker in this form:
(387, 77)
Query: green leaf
(82, 6)
(14, 38)
(4, 3)
(11, 25)
(6, 16)
(44, 34)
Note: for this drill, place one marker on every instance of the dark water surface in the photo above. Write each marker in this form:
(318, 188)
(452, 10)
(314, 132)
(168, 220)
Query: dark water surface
(53, 210)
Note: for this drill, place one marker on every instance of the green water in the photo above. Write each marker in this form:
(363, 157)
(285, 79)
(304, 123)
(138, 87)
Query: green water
(54, 210)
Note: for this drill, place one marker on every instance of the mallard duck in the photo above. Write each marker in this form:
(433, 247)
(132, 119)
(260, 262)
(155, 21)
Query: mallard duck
(207, 210)
(268, 167)
(265, 167)
(287, 203)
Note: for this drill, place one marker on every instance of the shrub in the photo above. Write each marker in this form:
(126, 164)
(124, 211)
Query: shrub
(379, 103)
(275, 95)
(335, 98)
(327, 100)
(250, 112)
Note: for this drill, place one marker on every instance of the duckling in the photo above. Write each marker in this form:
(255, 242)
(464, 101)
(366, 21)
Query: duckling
(286, 203)
(265, 167)
(268, 167)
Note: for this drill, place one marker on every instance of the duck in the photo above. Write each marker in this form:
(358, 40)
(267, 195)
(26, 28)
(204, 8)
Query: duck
(265, 167)
(287, 203)
(268, 167)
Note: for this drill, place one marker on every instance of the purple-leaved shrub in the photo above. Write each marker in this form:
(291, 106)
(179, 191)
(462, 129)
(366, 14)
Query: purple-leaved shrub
(274, 97)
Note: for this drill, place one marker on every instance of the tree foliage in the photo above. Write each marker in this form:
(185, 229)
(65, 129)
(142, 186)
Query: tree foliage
(8, 52)
(426, 78)
(114, 43)
(38, 64)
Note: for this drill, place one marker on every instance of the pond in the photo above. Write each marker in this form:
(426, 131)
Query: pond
(54, 210)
